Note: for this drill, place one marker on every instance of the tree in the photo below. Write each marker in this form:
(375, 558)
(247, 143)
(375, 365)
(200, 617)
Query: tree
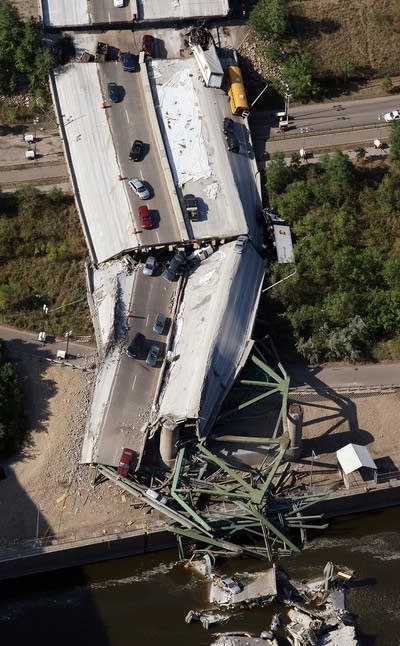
(298, 74)
(278, 175)
(10, 35)
(270, 17)
(23, 57)
(394, 140)
(339, 176)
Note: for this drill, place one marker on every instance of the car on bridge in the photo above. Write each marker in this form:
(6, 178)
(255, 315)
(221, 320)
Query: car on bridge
(128, 62)
(174, 267)
(139, 188)
(159, 323)
(149, 266)
(136, 152)
(125, 462)
(228, 126)
(152, 356)
(148, 44)
(146, 221)
(113, 92)
(241, 244)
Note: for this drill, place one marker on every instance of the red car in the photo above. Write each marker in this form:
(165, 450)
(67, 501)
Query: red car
(125, 462)
(148, 44)
(145, 217)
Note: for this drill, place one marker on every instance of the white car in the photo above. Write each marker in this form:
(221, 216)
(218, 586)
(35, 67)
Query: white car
(139, 188)
(118, 3)
(149, 266)
(241, 244)
(392, 116)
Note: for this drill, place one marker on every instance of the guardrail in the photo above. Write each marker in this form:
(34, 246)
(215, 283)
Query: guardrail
(38, 545)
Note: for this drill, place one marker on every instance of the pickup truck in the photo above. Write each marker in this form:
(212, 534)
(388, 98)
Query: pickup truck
(191, 207)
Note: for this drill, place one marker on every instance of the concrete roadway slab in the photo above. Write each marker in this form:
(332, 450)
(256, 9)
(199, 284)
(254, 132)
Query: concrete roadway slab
(129, 120)
(57, 13)
(125, 387)
(221, 206)
(103, 197)
(170, 9)
(214, 325)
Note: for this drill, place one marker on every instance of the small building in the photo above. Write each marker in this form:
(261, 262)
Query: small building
(353, 459)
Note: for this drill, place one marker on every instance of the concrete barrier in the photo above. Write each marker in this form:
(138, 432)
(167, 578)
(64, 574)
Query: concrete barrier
(57, 557)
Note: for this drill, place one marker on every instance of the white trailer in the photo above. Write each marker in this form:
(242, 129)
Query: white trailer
(209, 65)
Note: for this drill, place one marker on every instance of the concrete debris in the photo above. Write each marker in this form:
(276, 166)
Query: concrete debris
(206, 619)
(317, 616)
(243, 639)
(260, 591)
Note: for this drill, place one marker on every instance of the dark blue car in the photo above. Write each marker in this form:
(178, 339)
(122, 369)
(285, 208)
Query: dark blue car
(128, 62)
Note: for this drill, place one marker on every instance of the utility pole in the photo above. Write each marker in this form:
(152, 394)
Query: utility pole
(67, 335)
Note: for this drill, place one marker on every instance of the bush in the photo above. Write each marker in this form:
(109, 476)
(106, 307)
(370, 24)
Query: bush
(270, 17)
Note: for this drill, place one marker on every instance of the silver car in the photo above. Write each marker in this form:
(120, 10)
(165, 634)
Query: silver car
(149, 266)
(152, 356)
(159, 323)
(139, 188)
(241, 244)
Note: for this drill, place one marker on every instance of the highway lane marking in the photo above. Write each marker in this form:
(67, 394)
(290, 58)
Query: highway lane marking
(134, 381)
(147, 319)
(157, 236)
(127, 115)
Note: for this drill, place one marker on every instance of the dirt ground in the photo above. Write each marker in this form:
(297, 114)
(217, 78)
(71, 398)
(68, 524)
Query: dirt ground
(336, 32)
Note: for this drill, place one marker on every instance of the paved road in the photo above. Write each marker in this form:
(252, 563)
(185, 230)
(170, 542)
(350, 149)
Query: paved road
(24, 342)
(325, 125)
(129, 121)
(340, 375)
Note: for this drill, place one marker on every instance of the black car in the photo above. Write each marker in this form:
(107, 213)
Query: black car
(136, 347)
(174, 267)
(228, 127)
(232, 144)
(136, 153)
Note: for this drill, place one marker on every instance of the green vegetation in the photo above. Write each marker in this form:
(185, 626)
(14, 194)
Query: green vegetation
(12, 423)
(394, 140)
(42, 250)
(344, 301)
(270, 17)
(24, 60)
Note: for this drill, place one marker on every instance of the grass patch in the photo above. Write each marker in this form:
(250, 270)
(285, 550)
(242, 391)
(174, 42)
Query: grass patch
(42, 253)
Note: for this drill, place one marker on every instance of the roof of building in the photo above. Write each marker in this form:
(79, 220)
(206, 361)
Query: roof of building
(353, 456)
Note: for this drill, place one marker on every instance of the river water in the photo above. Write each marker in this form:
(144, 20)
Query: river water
(144, 600)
